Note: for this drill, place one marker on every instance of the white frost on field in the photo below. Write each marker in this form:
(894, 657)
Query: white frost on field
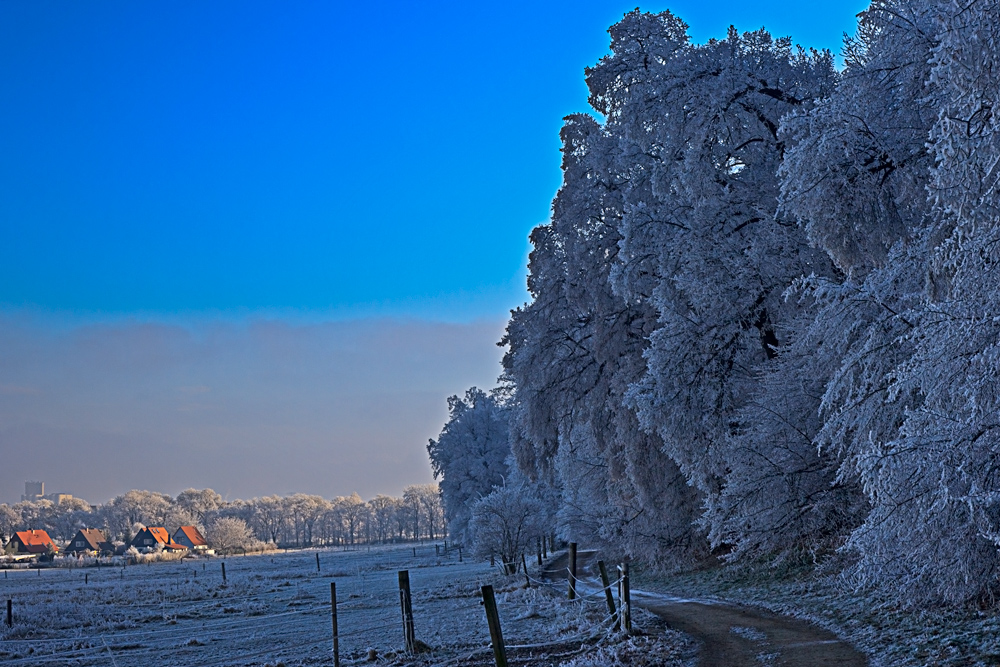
(276, 607)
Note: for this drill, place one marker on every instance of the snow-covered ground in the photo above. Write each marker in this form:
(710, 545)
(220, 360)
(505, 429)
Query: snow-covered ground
(275, 608)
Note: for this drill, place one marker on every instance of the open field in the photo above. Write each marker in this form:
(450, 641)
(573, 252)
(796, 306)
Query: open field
(275, 608)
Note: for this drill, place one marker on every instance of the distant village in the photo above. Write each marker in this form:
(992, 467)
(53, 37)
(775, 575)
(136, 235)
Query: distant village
(58, 528)
(31, 544)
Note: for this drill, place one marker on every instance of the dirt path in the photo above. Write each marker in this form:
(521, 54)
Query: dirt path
(733, 635)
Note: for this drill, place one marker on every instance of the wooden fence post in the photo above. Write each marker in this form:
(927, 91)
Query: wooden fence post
(625, 598)
(493, 619)
(333, 616)
(460, 554)
(10, 613)
(538, 548)
(406, 605)
(572, 570)
(317, 561)
(607, 592)
(223, 571)
(524, 565)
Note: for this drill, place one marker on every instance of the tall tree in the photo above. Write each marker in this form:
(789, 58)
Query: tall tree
(701, 239)
(574, 352)
(934, 529)
(199, 503)
(469, 457)
(856, 176)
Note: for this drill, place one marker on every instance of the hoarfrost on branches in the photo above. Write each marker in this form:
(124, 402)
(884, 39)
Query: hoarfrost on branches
(506, 524)
(470, 455)
(764, 307)
(228, 535)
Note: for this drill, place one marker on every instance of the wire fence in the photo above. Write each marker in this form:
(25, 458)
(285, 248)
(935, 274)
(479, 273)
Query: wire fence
(277, 607)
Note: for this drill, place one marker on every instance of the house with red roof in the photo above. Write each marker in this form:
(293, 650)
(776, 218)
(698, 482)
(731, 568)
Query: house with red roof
(31, 542)
(190, 537)
(148, 538)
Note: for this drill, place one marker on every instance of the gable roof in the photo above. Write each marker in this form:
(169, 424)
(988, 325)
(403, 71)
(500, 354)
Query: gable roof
(93, 538)
(34, 541)
(159, 534)
(190, 534)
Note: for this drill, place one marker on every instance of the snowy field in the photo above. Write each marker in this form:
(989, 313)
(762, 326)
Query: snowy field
(275, 608)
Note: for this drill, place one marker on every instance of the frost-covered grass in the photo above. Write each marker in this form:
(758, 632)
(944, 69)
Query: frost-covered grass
(891, 635)
(275, 608)
(664, 649)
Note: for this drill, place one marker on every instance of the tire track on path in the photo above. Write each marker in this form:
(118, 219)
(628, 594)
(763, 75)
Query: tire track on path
(732, 635)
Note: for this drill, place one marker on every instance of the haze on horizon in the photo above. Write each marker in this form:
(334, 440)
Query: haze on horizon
(259, 408)
(254, 246)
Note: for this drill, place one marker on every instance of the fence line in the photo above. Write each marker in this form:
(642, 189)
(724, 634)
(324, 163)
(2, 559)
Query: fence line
(284, 626)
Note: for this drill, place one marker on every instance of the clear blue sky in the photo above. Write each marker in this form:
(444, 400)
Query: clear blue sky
(346, 159)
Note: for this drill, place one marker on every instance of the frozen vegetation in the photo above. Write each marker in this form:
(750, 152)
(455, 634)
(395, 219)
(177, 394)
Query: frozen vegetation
(258, 523)
(764, 325)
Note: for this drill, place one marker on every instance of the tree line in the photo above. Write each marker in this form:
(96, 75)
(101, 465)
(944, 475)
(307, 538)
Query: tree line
(765, 312)
(297, 520)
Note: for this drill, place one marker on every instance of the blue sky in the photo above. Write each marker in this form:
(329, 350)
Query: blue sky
(254, 246)
(323, 157)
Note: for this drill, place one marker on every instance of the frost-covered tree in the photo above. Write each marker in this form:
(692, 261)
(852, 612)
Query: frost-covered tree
(32, 514)
(505, 524)
(423, 511)
(383, 513)
(266, 518)
(67, 517)
(199, 504)
(574, 351)
(641, 366)
(929, 392)
(124, 511)
(433, 510)
(229, 534)
(304, 511)
(854, 174)
(857, 168)
(9, 520)
(702, 241)
(353, 514)
(178, 516)
(469, 457)
(403, 519)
